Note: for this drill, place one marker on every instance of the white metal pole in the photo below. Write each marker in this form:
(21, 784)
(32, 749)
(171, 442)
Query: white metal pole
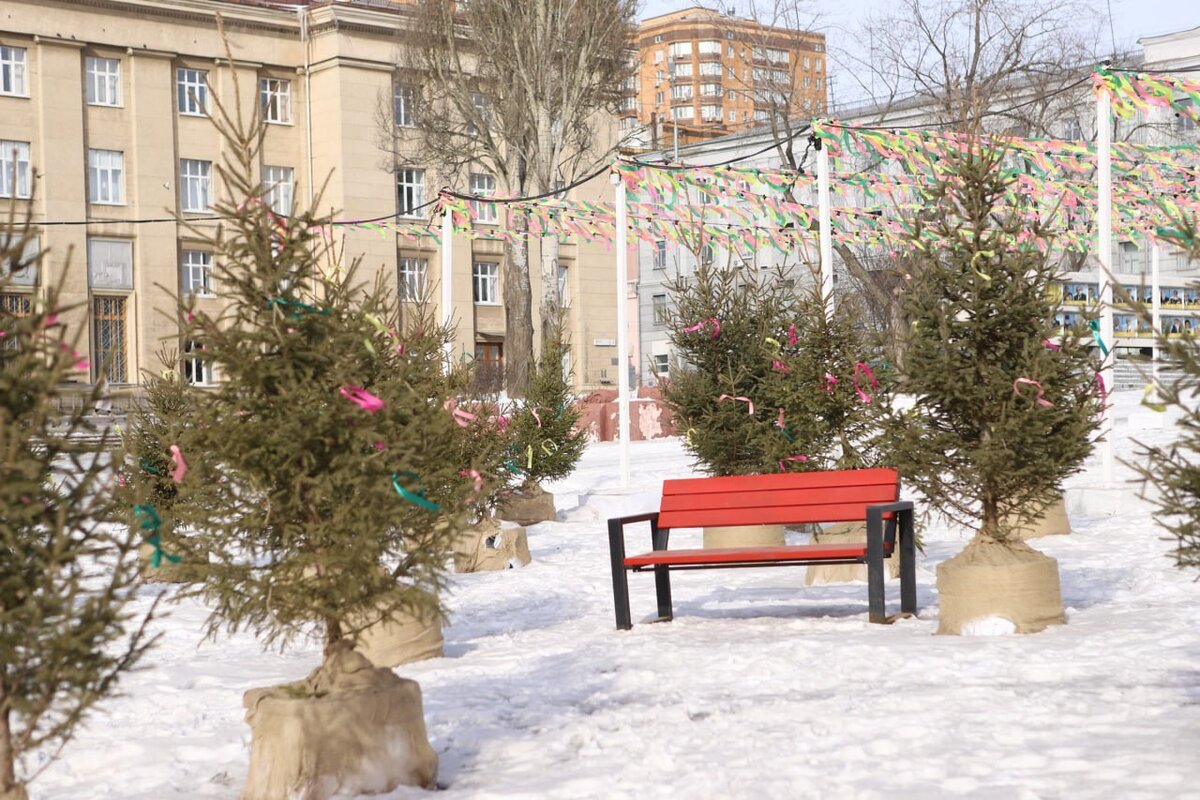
(622, 330)
(1104, 246)
(825, 225)
(1155, 309)
(447, 264)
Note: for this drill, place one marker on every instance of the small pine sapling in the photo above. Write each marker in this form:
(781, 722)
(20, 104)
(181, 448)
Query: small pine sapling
(544, 438)
(68, 558)
(1173, 470)
(1001, 417)
(326, 458)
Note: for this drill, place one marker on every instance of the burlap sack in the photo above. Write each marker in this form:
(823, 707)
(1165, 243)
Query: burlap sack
(528, 506)
(990, 579)
(1053, 521)
(165, 572)
(743, 536)
(402, 639)
(490, 546)
(846, 533)
(15, 793)
(350, 728)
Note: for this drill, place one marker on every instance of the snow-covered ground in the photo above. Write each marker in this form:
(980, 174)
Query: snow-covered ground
(760, 688)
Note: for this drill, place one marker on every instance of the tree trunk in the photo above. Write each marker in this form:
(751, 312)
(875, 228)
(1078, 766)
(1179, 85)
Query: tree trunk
(551, 300)
(333, 634)
(9, 788)
(518, 316)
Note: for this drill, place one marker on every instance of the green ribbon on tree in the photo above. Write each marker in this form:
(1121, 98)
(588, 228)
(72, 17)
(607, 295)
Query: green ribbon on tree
(1094, 325)
(146, 466)
(416, 498)
(284, 303)
(150, 521)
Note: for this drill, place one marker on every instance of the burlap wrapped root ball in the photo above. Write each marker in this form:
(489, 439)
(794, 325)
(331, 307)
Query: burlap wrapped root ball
(401, 638)
(491, 545)
(350, 728)
(998, 587)
(722, 536)
(1050, 521)
(529, 505)
(846, 533)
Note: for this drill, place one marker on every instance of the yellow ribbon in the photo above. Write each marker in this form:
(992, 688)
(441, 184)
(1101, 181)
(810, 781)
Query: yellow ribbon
(1159, 407)
(979, 255)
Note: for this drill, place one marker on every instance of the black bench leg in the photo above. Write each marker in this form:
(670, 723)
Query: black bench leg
(875, 597)
(662, 576)
(616, 550)
(908, 564)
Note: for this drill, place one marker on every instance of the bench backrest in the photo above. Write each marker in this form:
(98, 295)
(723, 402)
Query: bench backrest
(791, 498)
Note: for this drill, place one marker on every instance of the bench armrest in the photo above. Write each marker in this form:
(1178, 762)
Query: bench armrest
(649, 516)
(877, 537)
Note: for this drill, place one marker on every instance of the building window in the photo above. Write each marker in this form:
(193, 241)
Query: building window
(197, 273)
(709, 47)
(658, 39)
(658, 98)
(195, 184)
(658, 76)
(710, 113)
(681, 50)
(658, 303)
(103, 81)
(564, 286)
(710, 68)
(708, 254)
(681, 92)
(732, 73)
(108, 339)
(404, 100)
(710, 89)
(662, 364)
(275, 100)
(732, 115)
(660, 254)
(12, 71)
(106, 177)
(191, 87)
(479, 105)
(682, 112)
(730, 52)
(14, 169)
(278, 189)
(412, 279)
(110, 264)
(658, 56)
(683, 69)
(20, 269)
(485, 278)
(410, 191)
(483, 185)
(197, 370)
(806, 62)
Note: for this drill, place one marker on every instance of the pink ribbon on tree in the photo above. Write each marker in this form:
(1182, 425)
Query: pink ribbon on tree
(749, 403)
(699, 326)
(502, 423)
(779, 366)
(779, 420)
(463, 418)
(533, 411)
(860, 367)
(181, 466)
(473, 473)
(792, 338)
(361, 398)
(1051, 345)
(1103, 391)
(783, 462)
(1041, 393)
(830, 382)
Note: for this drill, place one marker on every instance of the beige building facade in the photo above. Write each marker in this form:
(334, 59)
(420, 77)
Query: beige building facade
(104, 121)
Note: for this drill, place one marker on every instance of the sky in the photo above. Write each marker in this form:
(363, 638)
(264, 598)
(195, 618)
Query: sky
(840, 19)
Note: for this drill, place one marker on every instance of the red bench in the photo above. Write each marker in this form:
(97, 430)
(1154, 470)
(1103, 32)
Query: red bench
(870, 495)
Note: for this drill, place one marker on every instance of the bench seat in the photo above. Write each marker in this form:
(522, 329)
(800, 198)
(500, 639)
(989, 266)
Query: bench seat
(732, 556)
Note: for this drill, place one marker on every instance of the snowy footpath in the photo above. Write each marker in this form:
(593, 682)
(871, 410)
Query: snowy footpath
(760, 688)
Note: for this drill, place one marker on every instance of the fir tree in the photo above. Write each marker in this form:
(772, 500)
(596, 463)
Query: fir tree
(1001, 416)
(766, 381)
(149, 464)
(325, 456)
(545, 442)
(1174, 469)
(68, 560)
